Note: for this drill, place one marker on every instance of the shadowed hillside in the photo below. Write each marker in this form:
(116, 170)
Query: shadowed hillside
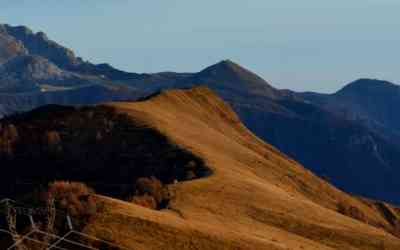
(349, 154)
(371, 101)
(94, 145)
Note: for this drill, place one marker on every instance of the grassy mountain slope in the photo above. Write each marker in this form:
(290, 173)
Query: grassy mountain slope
(257, 197)
(354, 156)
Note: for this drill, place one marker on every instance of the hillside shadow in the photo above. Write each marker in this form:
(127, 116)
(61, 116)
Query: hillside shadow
(96, 145)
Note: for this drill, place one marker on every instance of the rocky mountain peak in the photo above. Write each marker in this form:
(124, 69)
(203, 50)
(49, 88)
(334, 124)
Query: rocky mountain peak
(39, 44)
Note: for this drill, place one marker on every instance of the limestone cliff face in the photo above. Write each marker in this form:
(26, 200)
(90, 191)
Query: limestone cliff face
(39, 44)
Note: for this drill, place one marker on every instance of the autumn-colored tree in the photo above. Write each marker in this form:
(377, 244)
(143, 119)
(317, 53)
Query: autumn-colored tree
(145, 200)
(76, 198)
(8, 139)
(150, 186)
(52, 141)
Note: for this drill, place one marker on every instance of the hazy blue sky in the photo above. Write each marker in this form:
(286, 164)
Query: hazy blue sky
(303, 45)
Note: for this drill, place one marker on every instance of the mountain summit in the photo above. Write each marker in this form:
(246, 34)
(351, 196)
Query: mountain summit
(228, 75)
(20, 40)
(373, 101)
(39, 44)
(370, 87)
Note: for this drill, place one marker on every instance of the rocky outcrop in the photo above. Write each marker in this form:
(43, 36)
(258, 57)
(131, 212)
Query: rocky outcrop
(9, 46)
(39, 44)
(27, 73)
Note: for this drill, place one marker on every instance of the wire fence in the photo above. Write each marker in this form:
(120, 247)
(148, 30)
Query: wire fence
(36, 238)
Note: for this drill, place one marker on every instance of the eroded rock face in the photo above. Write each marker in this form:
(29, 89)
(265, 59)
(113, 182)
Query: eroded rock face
(28, 59)
(9, 46)
(26, 73)
(34, 67)
(39, 44)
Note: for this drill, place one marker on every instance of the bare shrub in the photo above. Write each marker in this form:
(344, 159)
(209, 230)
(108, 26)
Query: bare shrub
(73, 197)
(150, 186)
(191, 165)
(52, 141)
(8, 138)
(151, 193)
(11, 132)
(52, 138)
(190, 175)
(145, 201)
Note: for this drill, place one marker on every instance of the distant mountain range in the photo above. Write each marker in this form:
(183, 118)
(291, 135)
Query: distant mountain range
(351, 137)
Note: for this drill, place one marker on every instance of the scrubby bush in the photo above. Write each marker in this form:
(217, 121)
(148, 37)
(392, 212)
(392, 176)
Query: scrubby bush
(190, 175)
(191, 165)
(145, 200)
(8, 138)
(149, 186)
(10, 132)
(151, 193)
(75, 198)
(52, 141)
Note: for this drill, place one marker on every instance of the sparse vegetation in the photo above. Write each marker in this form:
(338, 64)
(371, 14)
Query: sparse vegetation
(351, 211)
(151, 193)
(145, 200)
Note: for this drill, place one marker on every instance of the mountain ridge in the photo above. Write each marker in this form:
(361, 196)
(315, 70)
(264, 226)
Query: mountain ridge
(328, 126)
(371, 100)
(252, 182)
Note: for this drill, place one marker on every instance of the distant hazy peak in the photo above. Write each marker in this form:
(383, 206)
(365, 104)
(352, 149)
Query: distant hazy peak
(229, 65)
(364, 85)
(230, 75)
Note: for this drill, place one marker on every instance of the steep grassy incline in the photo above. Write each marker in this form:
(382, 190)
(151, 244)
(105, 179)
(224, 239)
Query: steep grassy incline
(257, 198)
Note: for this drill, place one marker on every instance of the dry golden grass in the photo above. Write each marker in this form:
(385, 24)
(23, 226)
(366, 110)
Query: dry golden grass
(257, 197)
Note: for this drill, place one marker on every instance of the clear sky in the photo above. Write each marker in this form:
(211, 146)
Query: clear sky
(302, 45)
